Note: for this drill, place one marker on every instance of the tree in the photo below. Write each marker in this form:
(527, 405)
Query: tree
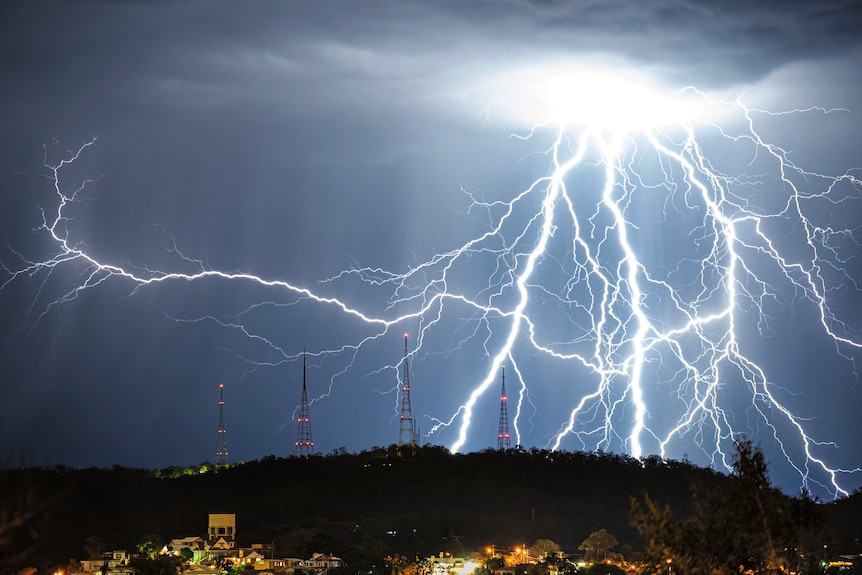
(544, 547)
(95, 547)
(411, 568)
(150, 545)
(598, 546)
(605, 569)
(741, 524)
(25, 501)
(156, 565)
(222, 563)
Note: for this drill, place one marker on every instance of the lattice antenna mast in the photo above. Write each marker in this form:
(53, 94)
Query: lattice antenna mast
(221, 438)
(503, 438)
(407, 431)
(304, 444)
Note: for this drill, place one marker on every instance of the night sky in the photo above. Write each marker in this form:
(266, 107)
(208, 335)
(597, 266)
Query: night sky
(319, 149)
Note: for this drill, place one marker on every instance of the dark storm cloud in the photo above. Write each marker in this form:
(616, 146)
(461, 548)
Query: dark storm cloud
(362, 67)
(366, 67)
(328, 49)
(711, 42)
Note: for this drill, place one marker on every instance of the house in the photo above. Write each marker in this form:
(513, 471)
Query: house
(190, 543)
(218, 547)
(112, 562)
(220, 544)
(193, 569)
(119, 557)
(92, 565)
(289, 565)
(320, 562)
(270, 565)
(245, 557)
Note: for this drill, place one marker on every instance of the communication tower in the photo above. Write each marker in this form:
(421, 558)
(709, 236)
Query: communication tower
(407, 430)
(221, 439)
(503, 438)
(304, 444)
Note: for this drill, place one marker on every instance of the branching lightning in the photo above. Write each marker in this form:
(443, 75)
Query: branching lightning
(650, 330)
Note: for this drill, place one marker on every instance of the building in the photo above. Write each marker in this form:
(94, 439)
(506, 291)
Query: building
(289, 565)
(222, 524)
(191, 543)
(320, 563)
(113, 563)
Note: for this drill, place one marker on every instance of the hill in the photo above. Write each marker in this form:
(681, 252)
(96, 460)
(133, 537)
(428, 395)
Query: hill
(357, 506)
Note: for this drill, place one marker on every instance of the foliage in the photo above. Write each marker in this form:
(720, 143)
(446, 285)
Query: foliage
(604, 569)
(94, 547)
(25, 513)
(411, 568)
(156, 565)
(742, 525)
(544, 547)
(599, 546)
(222, 563)
(150, 545)
(531, 569)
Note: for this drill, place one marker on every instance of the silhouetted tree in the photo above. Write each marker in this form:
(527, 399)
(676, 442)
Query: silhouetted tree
(94, 547)
(544, 547)
(743, 524)
(25, 500)
(598, 546)
(605, 569)
(156, 565)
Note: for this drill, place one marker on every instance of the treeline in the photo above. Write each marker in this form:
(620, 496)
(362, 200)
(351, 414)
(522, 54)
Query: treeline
(361, 506)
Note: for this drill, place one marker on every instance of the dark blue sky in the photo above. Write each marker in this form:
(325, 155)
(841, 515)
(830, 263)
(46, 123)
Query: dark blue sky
(293, 141)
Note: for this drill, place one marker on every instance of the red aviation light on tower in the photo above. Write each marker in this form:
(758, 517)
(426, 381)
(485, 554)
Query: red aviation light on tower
(304, 444)
(503, 440)
(406, 425)
(221, 440)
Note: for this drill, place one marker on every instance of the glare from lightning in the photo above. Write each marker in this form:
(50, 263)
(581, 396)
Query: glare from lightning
(654, 348)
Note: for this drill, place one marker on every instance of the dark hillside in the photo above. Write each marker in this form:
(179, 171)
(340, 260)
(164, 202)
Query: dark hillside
(358, 505)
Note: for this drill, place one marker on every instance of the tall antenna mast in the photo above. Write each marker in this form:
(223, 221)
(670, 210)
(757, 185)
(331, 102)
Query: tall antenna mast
(304, 444)
(221, 439)
(503, 438)
(407, 428)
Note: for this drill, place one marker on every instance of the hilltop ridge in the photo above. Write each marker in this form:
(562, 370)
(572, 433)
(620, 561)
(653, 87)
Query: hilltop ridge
(373, 503)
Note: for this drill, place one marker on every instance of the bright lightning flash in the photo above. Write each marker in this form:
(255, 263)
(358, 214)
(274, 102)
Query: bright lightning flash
(650, 253)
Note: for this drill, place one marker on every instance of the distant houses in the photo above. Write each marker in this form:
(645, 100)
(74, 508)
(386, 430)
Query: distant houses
(209, 555)
(113, 563)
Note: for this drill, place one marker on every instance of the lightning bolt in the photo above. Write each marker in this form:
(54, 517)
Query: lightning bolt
(651, 330)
